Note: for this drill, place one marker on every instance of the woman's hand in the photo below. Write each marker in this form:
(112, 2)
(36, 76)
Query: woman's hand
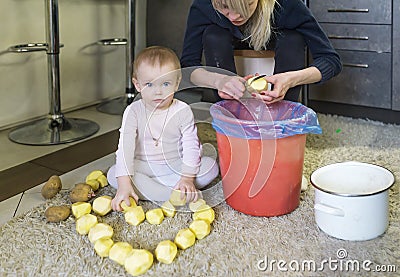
(230, 87)
(281, 82)
(124, 190)
(187, 187)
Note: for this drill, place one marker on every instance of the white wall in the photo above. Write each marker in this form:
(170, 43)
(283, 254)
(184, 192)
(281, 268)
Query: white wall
(88, 72)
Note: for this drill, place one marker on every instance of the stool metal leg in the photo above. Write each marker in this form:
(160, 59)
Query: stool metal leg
(118, 105)
(55, 129)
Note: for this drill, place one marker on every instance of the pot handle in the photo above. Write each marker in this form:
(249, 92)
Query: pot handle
(328, 209)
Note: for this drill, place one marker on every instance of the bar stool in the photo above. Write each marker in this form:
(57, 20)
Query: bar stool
(118, 105)
(55, 129)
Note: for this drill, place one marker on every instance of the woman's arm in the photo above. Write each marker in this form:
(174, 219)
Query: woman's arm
(229, 87)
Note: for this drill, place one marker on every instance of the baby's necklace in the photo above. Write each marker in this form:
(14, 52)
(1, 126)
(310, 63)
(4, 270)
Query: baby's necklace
(156, 140)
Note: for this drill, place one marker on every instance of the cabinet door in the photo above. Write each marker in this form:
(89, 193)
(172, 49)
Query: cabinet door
(396, 56)
(352, 11)
(361, 37)
(365, 80)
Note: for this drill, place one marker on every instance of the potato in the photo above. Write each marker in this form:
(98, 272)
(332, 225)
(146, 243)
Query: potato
(94, 175)
(94, 184)
(185, 238)
(57, 213)
(204, 212)
(119, 252)
(81, 193)
(102, 179)
(84, 223)
(155, 216)
(81, 208)
(125, 207)
(51, 187)
(102, 246)
(134, 215)
(175, 198)
(201, 228)
(168, 209)
(138, 262)
(99, 231)
(99, 176)
(193, 206)
(102, 205)
(257, 85)
(166, 251)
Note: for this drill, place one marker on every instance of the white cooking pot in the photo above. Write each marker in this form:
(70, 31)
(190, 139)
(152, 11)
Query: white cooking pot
(352, 200)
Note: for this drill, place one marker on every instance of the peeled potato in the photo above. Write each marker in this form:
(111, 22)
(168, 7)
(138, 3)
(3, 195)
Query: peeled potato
(166, 251)
(175, 198)
(138, 262)
(204, 212)
(119, 252)
(168, 209)
(201, 228)
(185, 238)
(125, 207)
(99, 176)
(94, 175)
(193, 206)
(102, 179)
(99, 231)
(57, 213)
(94, 184)
(134, 215)
(85, 222)
(102, 205)
(155, 216)
(81, 208)
(257, 85)
(51, 187)
(102, 246)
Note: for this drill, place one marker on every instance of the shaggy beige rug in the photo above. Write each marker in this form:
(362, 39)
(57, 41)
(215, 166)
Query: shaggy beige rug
(239, 244)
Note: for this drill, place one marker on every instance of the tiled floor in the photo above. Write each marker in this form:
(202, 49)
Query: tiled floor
(24, 169)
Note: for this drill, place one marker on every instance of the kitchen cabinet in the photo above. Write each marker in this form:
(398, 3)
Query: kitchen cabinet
(366, 35)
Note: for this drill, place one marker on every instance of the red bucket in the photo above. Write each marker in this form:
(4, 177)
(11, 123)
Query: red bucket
(262, 163)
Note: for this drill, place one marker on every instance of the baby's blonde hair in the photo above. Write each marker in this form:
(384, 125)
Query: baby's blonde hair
(156, 55)
(258, 28)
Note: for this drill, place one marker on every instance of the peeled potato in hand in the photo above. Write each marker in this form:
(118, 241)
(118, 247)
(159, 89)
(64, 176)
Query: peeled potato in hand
(125, 207)
(175, 198)
(257, 85)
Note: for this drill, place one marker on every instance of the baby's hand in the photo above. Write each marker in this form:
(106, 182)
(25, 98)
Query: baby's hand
(187, 187)
(123, 193)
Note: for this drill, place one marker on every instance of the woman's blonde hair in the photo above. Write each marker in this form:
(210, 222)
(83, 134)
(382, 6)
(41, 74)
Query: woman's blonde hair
(258, 28)
(156, 55)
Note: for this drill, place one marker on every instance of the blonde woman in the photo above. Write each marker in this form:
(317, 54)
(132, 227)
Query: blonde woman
(216, 27)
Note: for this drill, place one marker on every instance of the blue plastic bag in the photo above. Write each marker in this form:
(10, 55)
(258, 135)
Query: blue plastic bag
(253, 119)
